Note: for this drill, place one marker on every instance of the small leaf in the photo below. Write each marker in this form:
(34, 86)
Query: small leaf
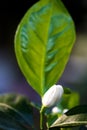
(70, 100)
(15, 113)
(67, 91)
(43, 42)
(75, 117)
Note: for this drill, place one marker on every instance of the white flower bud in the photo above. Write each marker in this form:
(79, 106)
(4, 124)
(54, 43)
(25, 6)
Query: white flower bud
(52, 96)
(56, 110)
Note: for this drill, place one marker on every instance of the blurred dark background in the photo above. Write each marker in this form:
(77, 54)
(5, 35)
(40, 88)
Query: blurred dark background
(11, 78)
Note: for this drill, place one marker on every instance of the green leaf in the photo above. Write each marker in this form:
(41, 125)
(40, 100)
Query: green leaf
(67, 129)
(67, 91)
(51, 118)
(70, 100)
(43, 42)
(75, 117)
(55, 128)
(15, 113)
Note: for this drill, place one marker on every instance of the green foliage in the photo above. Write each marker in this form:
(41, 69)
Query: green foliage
(70, 100)
(67, 91)
(16, 113)
(43, 42)
(74, 117)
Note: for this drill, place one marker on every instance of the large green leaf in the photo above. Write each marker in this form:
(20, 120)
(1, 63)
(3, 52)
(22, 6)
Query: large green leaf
(75, 117)
(15, 113)
(43, 42)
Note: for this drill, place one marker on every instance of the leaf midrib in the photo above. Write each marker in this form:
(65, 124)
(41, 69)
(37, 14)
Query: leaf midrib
(45, 52)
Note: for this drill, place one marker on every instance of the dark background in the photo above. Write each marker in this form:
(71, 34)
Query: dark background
(11, 78)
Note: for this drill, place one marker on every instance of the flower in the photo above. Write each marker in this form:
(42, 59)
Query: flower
(52, 96)
(56, 110)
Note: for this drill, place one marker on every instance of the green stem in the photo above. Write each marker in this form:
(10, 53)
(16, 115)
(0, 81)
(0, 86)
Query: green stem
(41, 118)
